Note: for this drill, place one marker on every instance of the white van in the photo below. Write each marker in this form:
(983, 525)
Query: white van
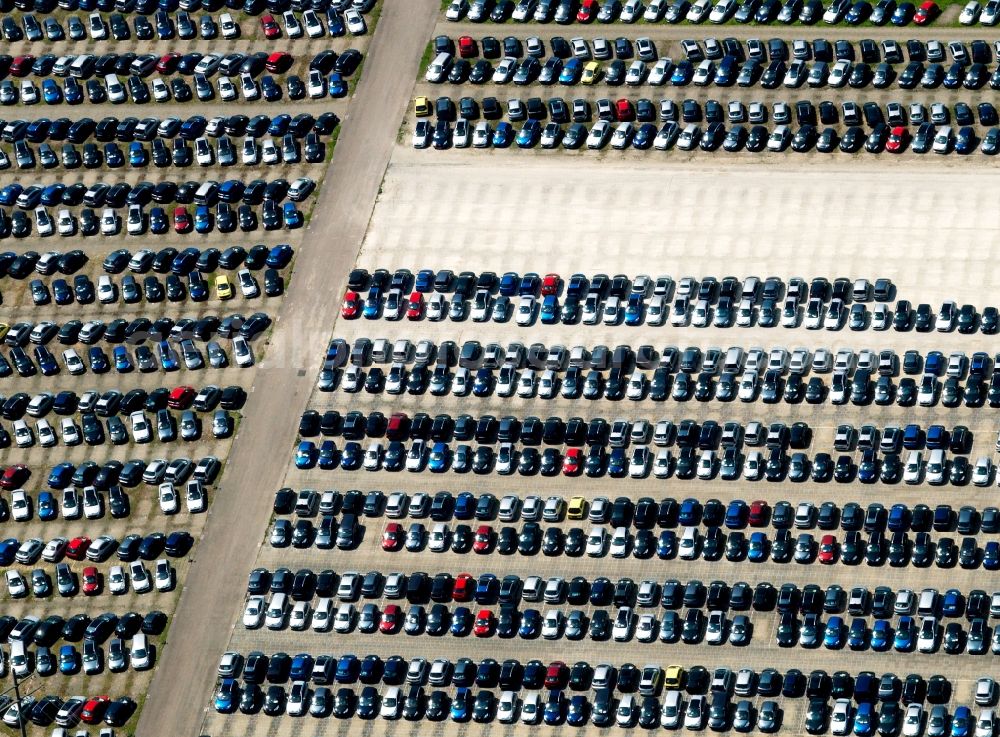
(439, 68)
(277, 612)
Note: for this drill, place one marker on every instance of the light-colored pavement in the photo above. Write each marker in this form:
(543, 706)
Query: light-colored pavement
(208, 605)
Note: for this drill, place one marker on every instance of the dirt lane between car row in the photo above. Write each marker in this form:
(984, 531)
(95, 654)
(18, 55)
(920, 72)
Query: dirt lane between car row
(181, 688)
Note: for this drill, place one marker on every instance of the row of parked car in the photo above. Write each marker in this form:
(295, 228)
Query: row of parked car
(644, 513)
(671, 135)
(135, 90)
(49, 709)
(223, 218)
(674, 11)
(162, 153)
(130, 128)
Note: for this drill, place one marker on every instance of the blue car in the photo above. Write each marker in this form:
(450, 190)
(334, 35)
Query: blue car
(61, 475)
(72, 91)
(460, 710)
(328, 455)
(197, 287)
(158, 222)
(461, 621)
(61, 292)
(690, 513)
(833, 635)
(465, 503)
(858, 636)
(69, 660)
(46, 506)
(46, 361)
(123, 362)
(338, 87)
(302, 667)
(579, 710)
(305, 456)
(503, 135)
(168, 359)
(529, 134)
(193, 127)
(98, 359)
(991, 556)
(424, 281)
(881, 632)
(279, 256)
(666, 545)
(571, 72)
(633, 310)
(906, 635)
(10, 193)
(483, 384)
(617, 463)
(51, 92)
(136, 154)
(682, 73)
(279, 125)
(52, 195)
(8, 548)
(531, 624)
(225, 697)
(549, 312)
(292, 216)
(203, 219)
(555, 708)
(373, 305)
(350, 459)
(903, 14)
(952, 604)
(735, 514)
(334, 23)
(347, 669)
(508, 284)
(961, 722)
(757, 549)
(864, 719)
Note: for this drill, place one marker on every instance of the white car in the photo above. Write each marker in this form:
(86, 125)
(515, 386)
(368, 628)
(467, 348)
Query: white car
(17, 586)
(227, 90)
(164, 575)
(242, 352)
(970, 14)
(110, 222)
(46, 435)
(168, 498)
(249, 88)
(661, 71)
(70, 431)
(194, 498)
(619, 542)
(161, 93)
(355, 22)
(43, 222)
(229, 27)
(392, 703)
(71, 508)
(66, 223)
(525, 315)
(141, 582)
(597, 542)
(721, 12)
(599, 134)
(117, 582)
(55, 548)
(292, 26)
(298, 620)
(343, 620)
(253, 612)
(704, 73)
(314, 26)
(322, 616)
(23, 437)
(699, 11)
(507, 707)
(840, 718)
(98, 30)
(505, 70)
(141, 430)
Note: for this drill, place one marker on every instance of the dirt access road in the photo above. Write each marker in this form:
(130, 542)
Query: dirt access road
(181, 688)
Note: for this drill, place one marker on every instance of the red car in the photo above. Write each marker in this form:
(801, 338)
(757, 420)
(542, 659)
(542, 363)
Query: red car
(14, 476)
(278, 62)
(484, 539)
(550, 284)
(91, 581)
(93, 710)
(572, 461)
(270, 26)
(21, 66)
(556, 675)
(828, 549)
(415, 306)
(927, 12)
(484, 623)
(77, 547)
(624, 110)
(168, 62)
(352, 305)
(392, 538)
(465, 586)
(759, 512)
(392, 617)
(587, 11)
(898, 138)
(182, 220)
(180, 397)
(467, 47)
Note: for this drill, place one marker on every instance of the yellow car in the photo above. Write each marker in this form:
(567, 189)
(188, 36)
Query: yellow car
(591, 71)
(223, 287)
(421, 106)
(577, 508)
(4, 329)
(673, 677)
